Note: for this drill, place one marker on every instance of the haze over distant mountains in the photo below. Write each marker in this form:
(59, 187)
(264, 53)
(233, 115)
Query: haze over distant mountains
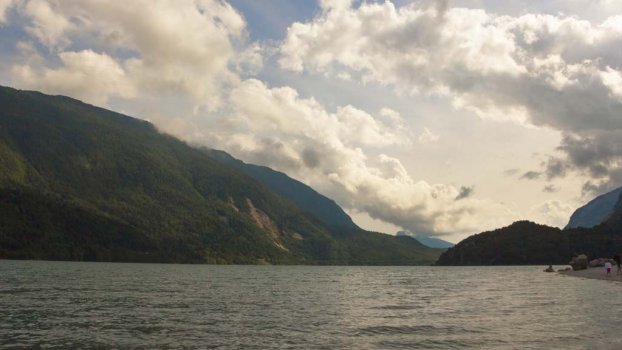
(79, 182)
(426, 240)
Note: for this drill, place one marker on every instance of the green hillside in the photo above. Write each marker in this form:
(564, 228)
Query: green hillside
(79, 182)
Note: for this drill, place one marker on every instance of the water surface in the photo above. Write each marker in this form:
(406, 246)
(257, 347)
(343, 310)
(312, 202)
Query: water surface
(95, 305)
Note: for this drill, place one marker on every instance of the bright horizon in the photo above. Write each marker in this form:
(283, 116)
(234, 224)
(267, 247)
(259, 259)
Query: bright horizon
(444, 118)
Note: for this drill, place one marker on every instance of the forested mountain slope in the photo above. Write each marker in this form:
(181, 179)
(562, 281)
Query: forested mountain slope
(79, 182)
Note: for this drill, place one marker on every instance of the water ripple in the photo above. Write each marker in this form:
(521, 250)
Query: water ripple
(422, 329)
(99, 305)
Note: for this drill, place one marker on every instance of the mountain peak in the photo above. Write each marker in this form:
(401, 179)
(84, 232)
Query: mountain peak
(595, 211)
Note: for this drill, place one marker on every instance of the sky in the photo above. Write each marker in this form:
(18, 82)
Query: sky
(442, 118)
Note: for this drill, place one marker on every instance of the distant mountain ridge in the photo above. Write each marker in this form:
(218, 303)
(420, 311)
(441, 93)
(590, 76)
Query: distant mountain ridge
(595, 211)
(426, 240)
(78, 182)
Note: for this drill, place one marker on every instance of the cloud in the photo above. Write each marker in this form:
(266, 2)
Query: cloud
(427, 136)
(531, 175)
(281, 110)
(555, 167)
(49, 24)
(550, 188)
(5, 5)
(551, 71)
(595, 153)
(340, 153)
(183, 48)
(95, 76)
(552, 212)
(511, 172)
(465, 192)
(186, 66)
(335, 5)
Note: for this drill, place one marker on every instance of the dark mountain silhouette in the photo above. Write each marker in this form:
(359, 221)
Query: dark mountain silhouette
(527, 243)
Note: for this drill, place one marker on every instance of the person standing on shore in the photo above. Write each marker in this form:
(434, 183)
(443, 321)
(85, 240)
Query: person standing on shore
(616, 258)
(608, 268)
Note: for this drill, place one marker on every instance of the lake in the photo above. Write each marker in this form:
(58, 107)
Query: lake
(113, 305)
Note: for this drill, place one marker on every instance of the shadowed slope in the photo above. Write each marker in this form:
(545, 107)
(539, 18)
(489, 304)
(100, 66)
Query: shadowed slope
(595, 211)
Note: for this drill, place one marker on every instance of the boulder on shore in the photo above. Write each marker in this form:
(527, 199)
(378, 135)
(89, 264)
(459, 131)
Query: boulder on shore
(601, 262)
(579, 262)
(597, 262)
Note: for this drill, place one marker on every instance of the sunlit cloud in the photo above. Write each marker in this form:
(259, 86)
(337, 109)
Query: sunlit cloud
(552, 71)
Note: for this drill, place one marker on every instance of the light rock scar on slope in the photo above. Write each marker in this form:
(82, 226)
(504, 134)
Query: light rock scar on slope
(263, 220)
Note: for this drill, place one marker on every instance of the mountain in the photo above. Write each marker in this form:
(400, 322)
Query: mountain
(521, 243)
(427, 240)
(596, 211)
(527, 243)
(306, 198)
(309, 200)
(78, 182)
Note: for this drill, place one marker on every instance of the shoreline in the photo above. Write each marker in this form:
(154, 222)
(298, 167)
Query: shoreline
(596, 273)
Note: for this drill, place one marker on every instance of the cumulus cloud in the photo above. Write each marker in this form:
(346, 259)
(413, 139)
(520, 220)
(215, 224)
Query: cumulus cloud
(544, 70)
(48, 23)
(182, 48)
(333, 152)
(96, 76)
(280, 110)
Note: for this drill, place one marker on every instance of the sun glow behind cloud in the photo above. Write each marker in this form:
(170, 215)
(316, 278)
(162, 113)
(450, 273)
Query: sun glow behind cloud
(190, 67)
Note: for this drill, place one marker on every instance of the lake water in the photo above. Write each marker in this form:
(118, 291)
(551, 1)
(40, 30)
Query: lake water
(107, 305)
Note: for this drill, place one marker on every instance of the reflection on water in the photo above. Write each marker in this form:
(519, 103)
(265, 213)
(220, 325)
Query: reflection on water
(73, 304)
